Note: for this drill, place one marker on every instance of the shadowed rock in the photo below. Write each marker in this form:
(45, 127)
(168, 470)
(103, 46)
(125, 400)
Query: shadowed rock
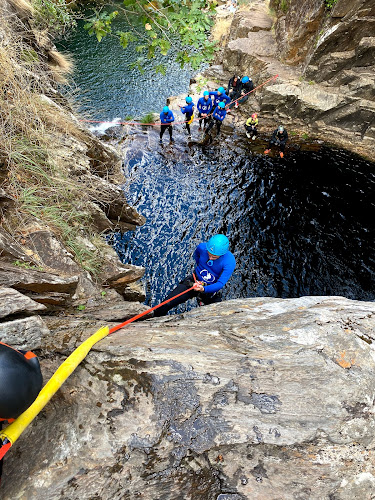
(252, 398)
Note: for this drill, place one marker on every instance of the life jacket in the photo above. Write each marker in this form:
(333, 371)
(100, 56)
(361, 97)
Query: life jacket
(20, 381)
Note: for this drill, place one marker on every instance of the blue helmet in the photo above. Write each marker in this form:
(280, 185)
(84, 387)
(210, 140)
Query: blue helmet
(165, 109)
(221, 105)
(206, 92)
(221, 90)
(189, 99)
(218, 245)
(245, 79)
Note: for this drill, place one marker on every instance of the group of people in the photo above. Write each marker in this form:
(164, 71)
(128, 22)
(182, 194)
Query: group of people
(212, 109)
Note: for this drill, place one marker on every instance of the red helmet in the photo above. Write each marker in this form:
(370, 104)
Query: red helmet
(254, 115)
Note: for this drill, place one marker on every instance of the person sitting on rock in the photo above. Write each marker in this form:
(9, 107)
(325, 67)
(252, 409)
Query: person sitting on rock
(166, 118)
(219, 95)
(279, 138)
(204, 107)
(188, 111)
(246, 87)
(251, 126)
(214, 266)
(20, 383)
(218, 116)
(234, 85)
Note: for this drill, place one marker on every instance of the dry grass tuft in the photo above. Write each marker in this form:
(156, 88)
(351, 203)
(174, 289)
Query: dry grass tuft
(60, 65)
(23, 8)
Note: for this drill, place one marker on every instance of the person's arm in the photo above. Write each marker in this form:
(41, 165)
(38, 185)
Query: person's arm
(248, 122)
(183, 109)
(224, 277)
(170, 118)
(285, 138)
(274, 138)
(197, 254)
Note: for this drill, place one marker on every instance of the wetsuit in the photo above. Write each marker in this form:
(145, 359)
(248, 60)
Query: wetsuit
(214, 276)
(251, 127)
(166, 123)
(233, 86)
(278, 139)
(20, 382)
(188, 111)
(245, 89)
(219, 98)
(204, 107)
(218, 116)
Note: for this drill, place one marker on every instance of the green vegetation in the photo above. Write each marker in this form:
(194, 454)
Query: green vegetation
(26, 265)
(305, 136)
(201, 83)
(330, 4)
(53, 15)
(81, 307)
(311, 82)
(284, 6)
(293, 133)
(154, 25)
(149, 118)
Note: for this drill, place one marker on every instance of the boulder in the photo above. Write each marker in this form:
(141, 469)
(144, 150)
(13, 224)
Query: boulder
(116, 313)
(259, 398)
(24, 333)
(14, 302)
(10, 249)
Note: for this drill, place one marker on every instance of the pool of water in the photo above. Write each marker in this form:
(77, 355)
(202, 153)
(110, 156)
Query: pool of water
(298, 226)
(105, 84)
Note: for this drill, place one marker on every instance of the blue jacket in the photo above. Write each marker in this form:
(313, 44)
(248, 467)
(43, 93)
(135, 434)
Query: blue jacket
(219, 113)
(216, 275)
(166, 118)
(204, 106)
(220, 98)
(188, 110)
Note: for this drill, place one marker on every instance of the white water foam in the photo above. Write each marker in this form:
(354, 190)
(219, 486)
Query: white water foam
(101, 128)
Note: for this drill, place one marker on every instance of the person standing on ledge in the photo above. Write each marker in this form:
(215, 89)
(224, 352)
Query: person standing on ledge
(188, 111)
(218, 116)
(214, 266)
(279, 138)
(166, 118)
(204, 107)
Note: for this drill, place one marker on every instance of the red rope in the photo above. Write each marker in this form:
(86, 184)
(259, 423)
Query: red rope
(4, 449)
(179, 123)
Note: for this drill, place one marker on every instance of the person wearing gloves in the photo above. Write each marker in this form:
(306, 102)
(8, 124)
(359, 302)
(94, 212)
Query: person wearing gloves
(214, 265)
(279, 138)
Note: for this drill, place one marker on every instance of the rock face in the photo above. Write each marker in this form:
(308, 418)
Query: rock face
(325, 62)
(249, 399)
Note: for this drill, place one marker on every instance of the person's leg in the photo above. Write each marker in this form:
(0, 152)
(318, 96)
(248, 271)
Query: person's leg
(282, 148)
(185, 284)
(243, 99)
(207, 121)
(209, 127)
(200, 119)
(188, 128)
(162, 130)
(270, 144)
(210, 298)
(170, 132)
(218, 126)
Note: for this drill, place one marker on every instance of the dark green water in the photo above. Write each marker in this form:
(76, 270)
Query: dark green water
(108, 88)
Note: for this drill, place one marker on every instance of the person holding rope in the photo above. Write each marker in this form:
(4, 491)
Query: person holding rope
(20, 383)
(166, 118)
(219, 95)
(204, 107)
(246, 87)
(188, 111)
(218, 116)
(279, 138)
(214, 266)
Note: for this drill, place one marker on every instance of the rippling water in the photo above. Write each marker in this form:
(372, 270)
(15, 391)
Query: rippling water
(298, 226)
(109, 88)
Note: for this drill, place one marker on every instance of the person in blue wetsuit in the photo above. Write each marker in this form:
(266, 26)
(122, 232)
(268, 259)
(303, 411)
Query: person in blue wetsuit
(188, 111)
(214, 266)
(166, 118)
(20, 383)
(220, 96)
(218, 116)
(204, 107)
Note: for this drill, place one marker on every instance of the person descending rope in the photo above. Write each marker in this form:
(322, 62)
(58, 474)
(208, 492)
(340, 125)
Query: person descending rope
(279, 138)
(251, 126)
(166, 118)
(204, 107)
(219, 95)
(20, 383)
(246, 87)
(214, 266)
(218, 116)
(188, 111)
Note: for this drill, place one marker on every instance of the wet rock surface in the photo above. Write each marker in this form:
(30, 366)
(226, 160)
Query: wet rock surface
(252, 398)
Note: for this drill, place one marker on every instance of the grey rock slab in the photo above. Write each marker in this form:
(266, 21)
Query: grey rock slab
(11, 249)
(34, 280)
(25, 333)
(262, 398)
(14, 302)
(118, 312)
